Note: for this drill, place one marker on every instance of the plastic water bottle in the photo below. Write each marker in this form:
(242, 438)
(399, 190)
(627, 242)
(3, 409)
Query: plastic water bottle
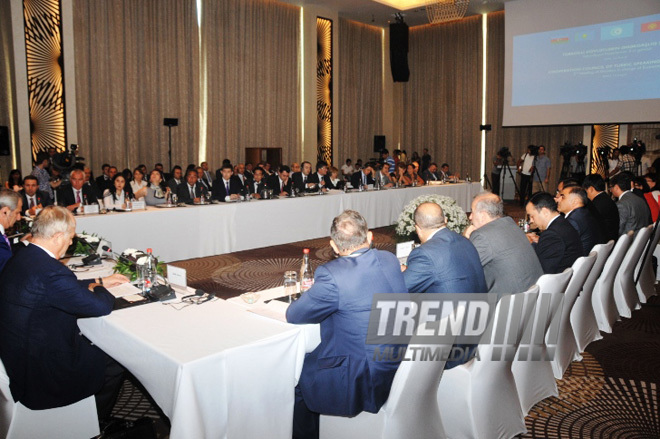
(306, 273)
(149, 272)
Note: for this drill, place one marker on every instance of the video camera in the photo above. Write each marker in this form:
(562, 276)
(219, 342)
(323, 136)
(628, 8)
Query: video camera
(65, 161)
(504, 152)
(637, 149)
(567, 150)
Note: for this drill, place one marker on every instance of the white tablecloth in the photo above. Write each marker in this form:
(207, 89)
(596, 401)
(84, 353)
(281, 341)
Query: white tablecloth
(216, 370)
(198, 231)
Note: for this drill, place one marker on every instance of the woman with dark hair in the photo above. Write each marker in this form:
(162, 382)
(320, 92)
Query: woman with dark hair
(15, 180)
(119, 193)
(641, 188)
(399, 172)
(138, 182)
(156, 192)
(128, 175)
(411, 177)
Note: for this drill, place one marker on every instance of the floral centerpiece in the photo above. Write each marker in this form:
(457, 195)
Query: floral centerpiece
(129, 261)
(85, 244)
(455, 216)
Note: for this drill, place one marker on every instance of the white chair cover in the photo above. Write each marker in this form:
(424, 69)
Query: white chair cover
(411, 409)
(532, 369)
(602, 298)
(625, 293)
(479, 399)
(646, 284)
(563, 344)
(74, 421)
(583, 319)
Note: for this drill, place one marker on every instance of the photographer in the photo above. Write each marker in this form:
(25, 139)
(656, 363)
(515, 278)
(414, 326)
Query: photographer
(525, 165)
(495, 173)
(41, 172)
(626, 160)
(541, 171)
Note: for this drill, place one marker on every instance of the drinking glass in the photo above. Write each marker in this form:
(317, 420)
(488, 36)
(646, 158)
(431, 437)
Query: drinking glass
(290, 283)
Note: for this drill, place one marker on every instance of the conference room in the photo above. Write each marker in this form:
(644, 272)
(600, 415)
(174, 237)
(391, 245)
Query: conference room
(197, 153)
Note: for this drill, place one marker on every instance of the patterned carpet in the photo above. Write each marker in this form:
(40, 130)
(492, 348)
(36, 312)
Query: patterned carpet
(612, 393)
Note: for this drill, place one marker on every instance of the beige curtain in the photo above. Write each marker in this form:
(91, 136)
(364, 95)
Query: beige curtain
(7, 85)
(441, 104)
(251, 56)
(517, 138)
(137, 62)
(359, 89)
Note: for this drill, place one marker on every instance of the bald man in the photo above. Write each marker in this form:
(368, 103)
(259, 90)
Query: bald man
(510, 263)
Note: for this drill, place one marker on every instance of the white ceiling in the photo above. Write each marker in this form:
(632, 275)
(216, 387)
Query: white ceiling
(377, 14)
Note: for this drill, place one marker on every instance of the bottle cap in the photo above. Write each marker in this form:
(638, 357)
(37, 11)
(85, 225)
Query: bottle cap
(306, 251)
(149, 250)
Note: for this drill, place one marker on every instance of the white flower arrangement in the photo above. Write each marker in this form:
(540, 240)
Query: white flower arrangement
(86, 243)
(131, 252)
(455, 216)
(92, 239)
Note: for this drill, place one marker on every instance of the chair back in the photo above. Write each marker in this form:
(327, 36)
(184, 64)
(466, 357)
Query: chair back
(603, 251)
(645, 277)
(602, 298)
(6, 402)
(625, 294)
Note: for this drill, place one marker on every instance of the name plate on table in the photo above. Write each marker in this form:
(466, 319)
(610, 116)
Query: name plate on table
(139, 205)
(90, 208)
(403, 249)
(177, 276)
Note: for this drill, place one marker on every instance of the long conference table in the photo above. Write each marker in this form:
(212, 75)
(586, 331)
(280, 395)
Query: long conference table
(200, 231)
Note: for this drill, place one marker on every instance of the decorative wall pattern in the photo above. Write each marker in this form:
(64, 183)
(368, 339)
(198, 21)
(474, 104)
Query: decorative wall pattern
(603, 136)
(324, 88)
(45, 74)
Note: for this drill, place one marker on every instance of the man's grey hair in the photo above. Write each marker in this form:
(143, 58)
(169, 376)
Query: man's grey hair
(429, 216)
(51, 221)
(349, 230)
(79, 171)
(490, 204)
(9, 198)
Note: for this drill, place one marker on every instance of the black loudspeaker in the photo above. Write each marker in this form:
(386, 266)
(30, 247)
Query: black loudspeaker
(170, 122)
(4, 140)
(399, 52)
(379, 143)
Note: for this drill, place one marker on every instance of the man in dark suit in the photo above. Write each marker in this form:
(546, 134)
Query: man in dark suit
(176, 180)
(10, 212)
(634, 212)
(280, 182)
(321, 177)
(191, 191)
(257, 183)
(74, 195)
(341, 377)
(559, 244)
(207, 177)
(89, 181)
(446, 262)
(227, 187)
(510, 263)
(104, 180)
(363, 176)
(602, 207)
(33, 198)
(301, 180)
(48, 362)
(572, 203)
(431, 174)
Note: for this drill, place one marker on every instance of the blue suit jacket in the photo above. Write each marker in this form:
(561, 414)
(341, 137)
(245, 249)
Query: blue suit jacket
(5, 253)
(48, 362)
(340, 377)
(585, 224)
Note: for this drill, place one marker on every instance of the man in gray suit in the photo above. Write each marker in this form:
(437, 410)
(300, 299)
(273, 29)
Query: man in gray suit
(634, 212)
(510, 263)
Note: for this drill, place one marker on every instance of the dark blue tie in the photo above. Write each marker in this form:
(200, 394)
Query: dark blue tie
(227, 186)
(7, 241)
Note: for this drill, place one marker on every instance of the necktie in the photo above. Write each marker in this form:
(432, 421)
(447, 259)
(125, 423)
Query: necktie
(7, 241)
(31, 203)
(227, 188)
(78, 197)
(192, 192)
(364, 179)
(304, 179)
(281, 186)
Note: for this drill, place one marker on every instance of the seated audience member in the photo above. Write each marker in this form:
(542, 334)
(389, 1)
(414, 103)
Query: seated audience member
(602, 207)
(445, 173)
(33, 198)
(410, 178)
(218, 172)
(642, 189)
(76, 193)
(41, 172)
(143, 168)
(431, 174)
(559, 244)
(358, 165)
(10, 212)
(279, 182)
(166, 175)
(341, 377)
(118, 195)
(249, 171)
(191, 191)
(176, 180)
(335, 181)
(382, 175)
(156, 192)
(399, 172)
(104, 181)
(509, 262)
(15, 180)
(634, 213)
(201, 180)
(295, 167)
(652, 180)
(385, 157)
(240, 174)
(227, 187)
(49, 363)
(301, 180)
(91, 182)
(257, 183)
(347, 169)
(573, 204)
(565, 182)
(363, 177)
(138, 182)
(267, 171)
(320, 178)
(207, 177)
(128, 175)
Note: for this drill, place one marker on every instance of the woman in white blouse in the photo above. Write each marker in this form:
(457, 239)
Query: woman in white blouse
(138, 182)
(118, 194)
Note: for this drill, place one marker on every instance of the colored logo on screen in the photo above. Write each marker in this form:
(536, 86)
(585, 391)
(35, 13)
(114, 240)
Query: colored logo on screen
(618, 31)
(648, 27)
(559, 40)
(585, 36)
